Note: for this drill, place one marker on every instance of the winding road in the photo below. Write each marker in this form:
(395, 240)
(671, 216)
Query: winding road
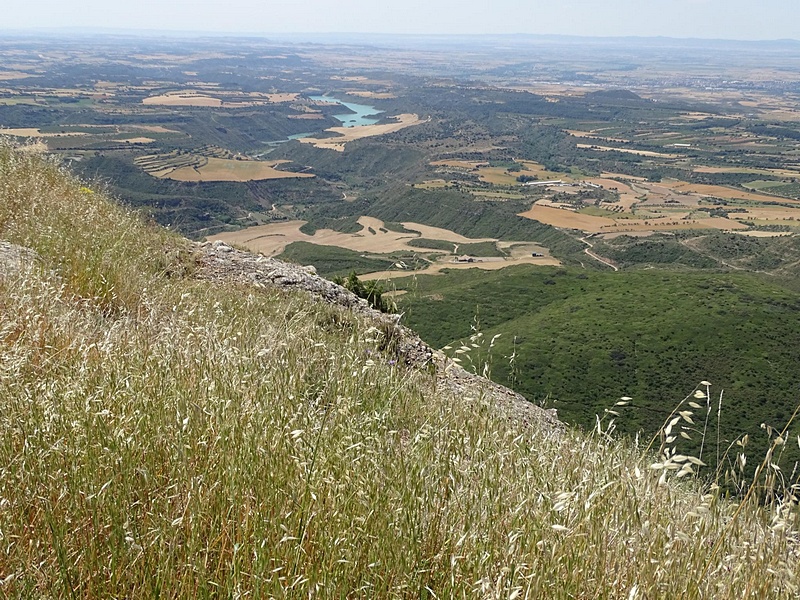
(598, 258)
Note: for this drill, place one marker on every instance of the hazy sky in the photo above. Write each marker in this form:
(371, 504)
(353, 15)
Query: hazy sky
(729, 19)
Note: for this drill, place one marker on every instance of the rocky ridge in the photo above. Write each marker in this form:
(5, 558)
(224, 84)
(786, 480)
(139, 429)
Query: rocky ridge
(223, 264)
(216, 261)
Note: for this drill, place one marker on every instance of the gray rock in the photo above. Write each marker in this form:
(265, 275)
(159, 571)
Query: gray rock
(221, 263)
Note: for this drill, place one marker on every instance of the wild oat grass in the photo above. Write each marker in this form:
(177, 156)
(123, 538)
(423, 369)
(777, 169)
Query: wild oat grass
(168, 438)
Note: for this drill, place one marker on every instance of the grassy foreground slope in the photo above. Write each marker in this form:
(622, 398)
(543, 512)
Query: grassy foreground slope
(165, 437)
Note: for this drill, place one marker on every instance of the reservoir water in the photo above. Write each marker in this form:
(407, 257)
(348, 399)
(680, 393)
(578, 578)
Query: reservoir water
(362, 113)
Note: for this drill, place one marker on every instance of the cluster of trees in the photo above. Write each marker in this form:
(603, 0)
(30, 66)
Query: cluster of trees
(371, 291)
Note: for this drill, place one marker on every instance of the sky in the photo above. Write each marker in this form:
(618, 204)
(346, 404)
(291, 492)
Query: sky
(722, 19)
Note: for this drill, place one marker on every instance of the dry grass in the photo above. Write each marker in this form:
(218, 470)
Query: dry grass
(174, 439)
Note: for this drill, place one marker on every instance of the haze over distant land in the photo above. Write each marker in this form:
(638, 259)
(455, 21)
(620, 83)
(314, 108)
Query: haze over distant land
(711, 19)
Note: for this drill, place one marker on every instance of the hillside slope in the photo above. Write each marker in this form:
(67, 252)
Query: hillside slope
(582, 339)
(176, 425)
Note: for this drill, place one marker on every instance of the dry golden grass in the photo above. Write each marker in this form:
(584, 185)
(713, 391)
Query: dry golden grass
(432, 184)
(221, 169)
(780, 172)
(627, 196)
(498, 176)
(165, 437)
(278, 98)
(764, 234)
(437, 233)
(307, 117)
(771, 213)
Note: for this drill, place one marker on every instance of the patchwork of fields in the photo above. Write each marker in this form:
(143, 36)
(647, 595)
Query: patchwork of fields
(375, 239)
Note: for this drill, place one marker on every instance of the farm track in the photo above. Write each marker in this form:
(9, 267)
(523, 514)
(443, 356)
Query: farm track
(597, 257)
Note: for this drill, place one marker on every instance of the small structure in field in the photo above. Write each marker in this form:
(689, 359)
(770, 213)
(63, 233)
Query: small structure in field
(544, 183)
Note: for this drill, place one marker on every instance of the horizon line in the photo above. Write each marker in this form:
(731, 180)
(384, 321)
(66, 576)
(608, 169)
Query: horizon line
(266, 34)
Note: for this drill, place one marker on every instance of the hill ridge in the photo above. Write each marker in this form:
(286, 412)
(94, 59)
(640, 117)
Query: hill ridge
(221, 263)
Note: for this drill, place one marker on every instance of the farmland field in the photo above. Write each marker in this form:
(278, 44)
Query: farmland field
(220, 169)
(636, 152)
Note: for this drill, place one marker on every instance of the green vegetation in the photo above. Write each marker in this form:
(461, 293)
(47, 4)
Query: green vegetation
(396, 227)
(371, 291)
(169, 437)
(583, 339)
(628, 251)
(462, 214)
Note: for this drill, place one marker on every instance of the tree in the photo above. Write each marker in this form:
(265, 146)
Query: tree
(371, 291)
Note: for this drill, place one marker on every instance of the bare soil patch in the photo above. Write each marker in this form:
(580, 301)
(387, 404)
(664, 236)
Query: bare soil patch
(629, 151)
(482, 264)
(723, 192)
(221, 169)
(569, 219)
(764, 234)
(9, 75)
(272, 239)
(559, 217)
(33, 132)
(182, 99)
(593, 135)
(375, 95)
